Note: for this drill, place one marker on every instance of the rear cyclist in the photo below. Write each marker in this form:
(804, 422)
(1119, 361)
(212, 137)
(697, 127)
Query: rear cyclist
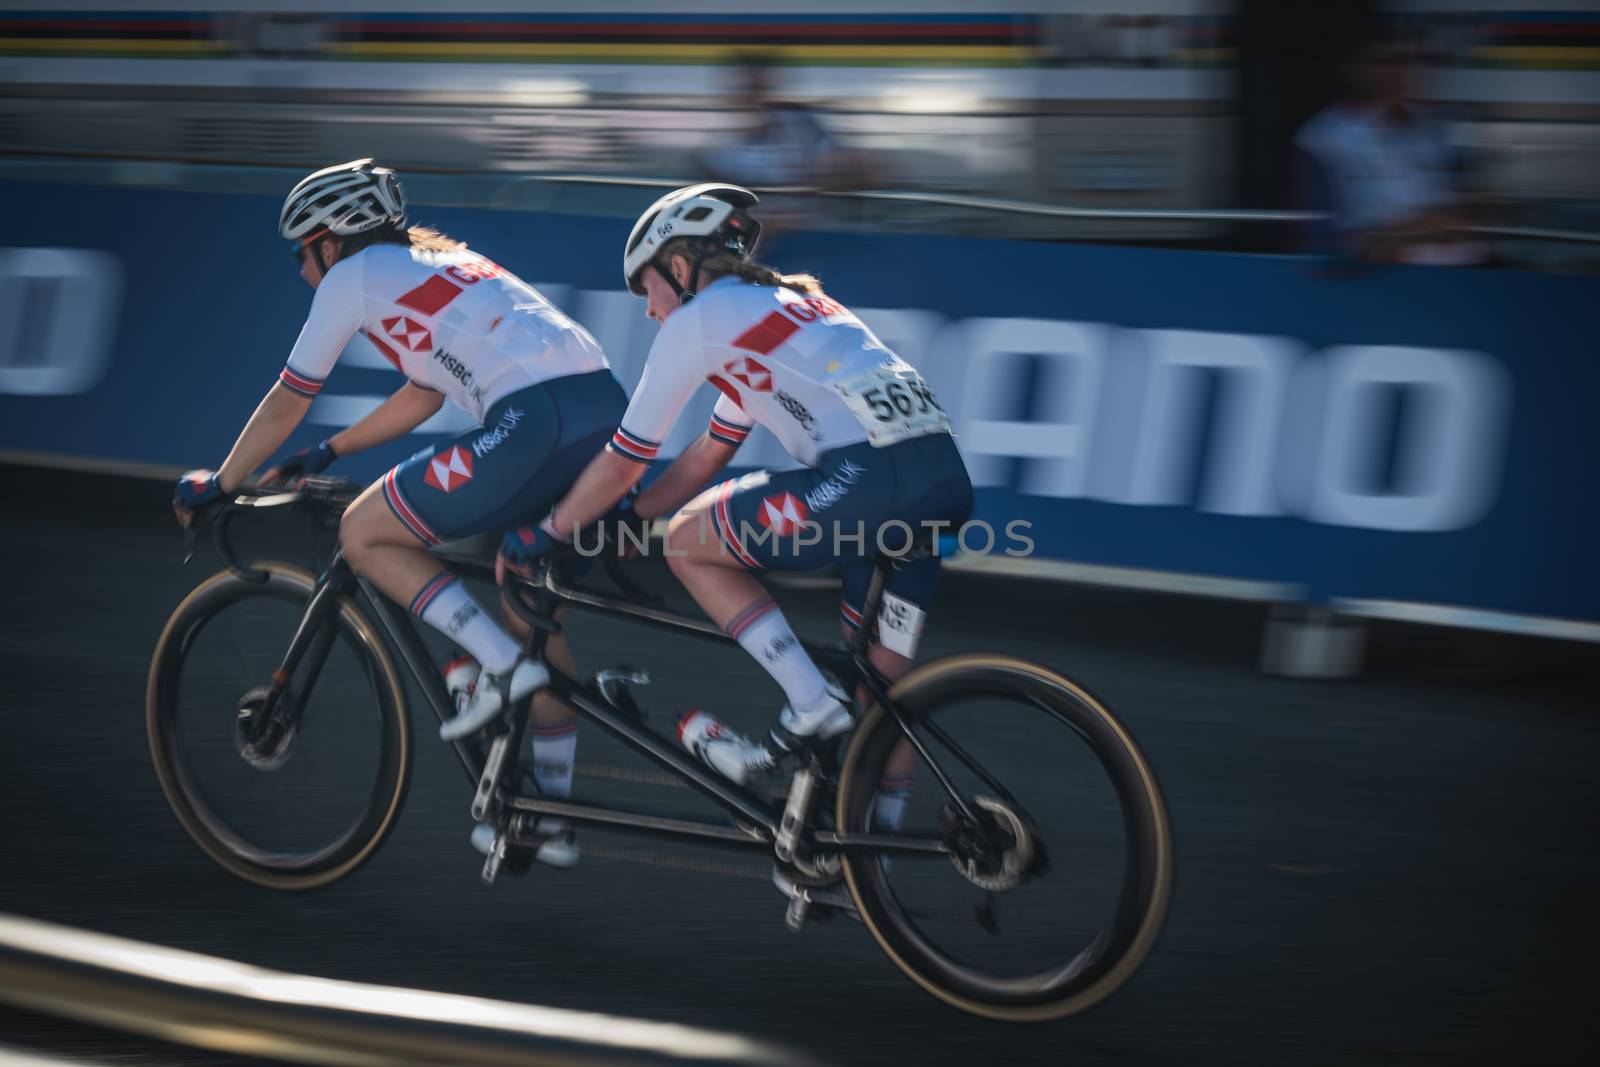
(875, 446)
(456, 326)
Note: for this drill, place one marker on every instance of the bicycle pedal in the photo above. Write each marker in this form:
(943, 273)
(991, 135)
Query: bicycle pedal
(493, 861)
(798, 911)
(820, 901)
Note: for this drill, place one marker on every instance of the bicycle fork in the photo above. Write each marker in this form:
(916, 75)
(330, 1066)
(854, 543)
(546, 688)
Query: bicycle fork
(308, 649)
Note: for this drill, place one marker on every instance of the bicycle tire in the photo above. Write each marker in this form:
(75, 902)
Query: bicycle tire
(209, 831)
(1147, 881)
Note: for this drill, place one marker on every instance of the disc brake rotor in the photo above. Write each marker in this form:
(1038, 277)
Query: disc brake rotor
(265, 746)
(985, 867)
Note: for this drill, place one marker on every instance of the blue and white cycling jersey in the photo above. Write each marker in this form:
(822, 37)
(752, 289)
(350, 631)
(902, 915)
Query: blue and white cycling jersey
(453, 322)
(802, 366)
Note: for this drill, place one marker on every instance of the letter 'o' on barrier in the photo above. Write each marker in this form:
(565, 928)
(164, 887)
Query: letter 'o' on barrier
(58, 311)
(1448, 443)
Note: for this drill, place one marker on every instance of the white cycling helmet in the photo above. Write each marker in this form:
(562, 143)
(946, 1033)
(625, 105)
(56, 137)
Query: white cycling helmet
(713, 212)
(345, 199)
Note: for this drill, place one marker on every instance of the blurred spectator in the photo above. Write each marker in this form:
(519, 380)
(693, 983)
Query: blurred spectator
(1385, 171)
(784, 143)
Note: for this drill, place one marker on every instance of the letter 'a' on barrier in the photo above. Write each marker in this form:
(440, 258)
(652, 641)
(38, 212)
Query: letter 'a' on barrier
(58, 314)
(994, 425)
(235, 1008)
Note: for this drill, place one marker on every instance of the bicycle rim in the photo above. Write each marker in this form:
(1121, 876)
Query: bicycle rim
(325, 811)
(1076, 925)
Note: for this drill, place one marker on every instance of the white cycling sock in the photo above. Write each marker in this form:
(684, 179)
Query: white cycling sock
(553, 749)
(890, 806)
(762, 631)
(445, 604)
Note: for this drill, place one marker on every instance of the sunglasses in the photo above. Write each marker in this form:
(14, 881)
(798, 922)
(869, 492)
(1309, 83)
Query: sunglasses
(297, 247)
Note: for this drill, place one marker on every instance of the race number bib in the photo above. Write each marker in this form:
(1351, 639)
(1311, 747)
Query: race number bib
(900, 625)
(892, 403)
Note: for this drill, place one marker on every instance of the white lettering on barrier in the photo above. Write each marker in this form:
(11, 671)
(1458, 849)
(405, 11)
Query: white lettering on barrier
(58, 311)
(1254, 375)
(1449, 448)
(1117, 414)
(1074, 356)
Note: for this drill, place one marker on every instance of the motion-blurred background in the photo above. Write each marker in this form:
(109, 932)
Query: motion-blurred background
(1284, 304)
(1185, 106)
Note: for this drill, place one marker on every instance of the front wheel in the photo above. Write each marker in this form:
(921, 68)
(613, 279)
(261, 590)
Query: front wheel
(300, 797)
(1058, 859)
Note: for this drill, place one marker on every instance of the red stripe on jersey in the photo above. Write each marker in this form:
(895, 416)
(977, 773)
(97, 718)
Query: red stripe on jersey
(767, 334)
(726, 389)
(383, 348)
(299, 382)
(431, 295)
(731, 430)
(633, 447)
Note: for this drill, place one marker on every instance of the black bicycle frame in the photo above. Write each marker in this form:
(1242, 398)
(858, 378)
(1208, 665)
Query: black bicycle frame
(757, 818)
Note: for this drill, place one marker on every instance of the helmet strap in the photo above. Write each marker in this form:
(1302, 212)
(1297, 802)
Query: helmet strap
(685, 293)
(666, 276)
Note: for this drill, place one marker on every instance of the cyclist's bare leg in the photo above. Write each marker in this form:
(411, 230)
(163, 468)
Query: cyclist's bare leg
(719, 583)
(742, 607)
(381, 548)
(385, 551)
(903, 760)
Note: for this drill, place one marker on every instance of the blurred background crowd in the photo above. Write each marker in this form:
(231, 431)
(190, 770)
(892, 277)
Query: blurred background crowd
(1461, 132)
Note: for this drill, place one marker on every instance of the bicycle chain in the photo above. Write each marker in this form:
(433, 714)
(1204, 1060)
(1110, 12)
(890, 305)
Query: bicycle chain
(627, 774)
(678, 863)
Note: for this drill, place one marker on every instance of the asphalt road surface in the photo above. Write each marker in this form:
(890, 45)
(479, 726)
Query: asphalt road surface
(1397, 869)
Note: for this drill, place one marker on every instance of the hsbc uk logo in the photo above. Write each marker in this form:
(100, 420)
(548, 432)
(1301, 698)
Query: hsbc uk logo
(449, 470)
(783, 513)
(751, 374)
(488, 441)
(408, 333)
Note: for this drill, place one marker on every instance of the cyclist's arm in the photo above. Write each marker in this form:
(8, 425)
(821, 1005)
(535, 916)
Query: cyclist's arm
(335, 316)
(671, 372)
(698, 464)
(275, 418)
(603, 482)
(409, 407)
(678, 484)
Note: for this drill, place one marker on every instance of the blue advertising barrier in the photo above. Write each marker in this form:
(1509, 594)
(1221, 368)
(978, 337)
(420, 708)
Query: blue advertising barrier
(1407, 435)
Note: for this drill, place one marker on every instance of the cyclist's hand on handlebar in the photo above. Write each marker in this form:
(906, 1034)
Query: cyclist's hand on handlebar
(313, 460)
(523, 546)
(623, 518)
(196, 489)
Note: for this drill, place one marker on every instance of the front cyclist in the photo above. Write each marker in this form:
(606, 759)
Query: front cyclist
(875, 445)
(459, 327)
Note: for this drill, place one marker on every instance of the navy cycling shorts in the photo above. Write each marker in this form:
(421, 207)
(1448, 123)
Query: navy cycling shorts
(532, 446)
(858, 501)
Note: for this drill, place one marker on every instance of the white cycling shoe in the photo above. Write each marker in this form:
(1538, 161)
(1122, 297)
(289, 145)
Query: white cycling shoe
(738, 759)
(490, 696)
(560, 850)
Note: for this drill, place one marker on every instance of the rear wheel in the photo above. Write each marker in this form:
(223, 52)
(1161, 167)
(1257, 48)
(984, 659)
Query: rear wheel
(304, 796)
(1058, 866)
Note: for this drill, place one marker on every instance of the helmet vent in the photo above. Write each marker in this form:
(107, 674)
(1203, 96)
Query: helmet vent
(697, 214)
